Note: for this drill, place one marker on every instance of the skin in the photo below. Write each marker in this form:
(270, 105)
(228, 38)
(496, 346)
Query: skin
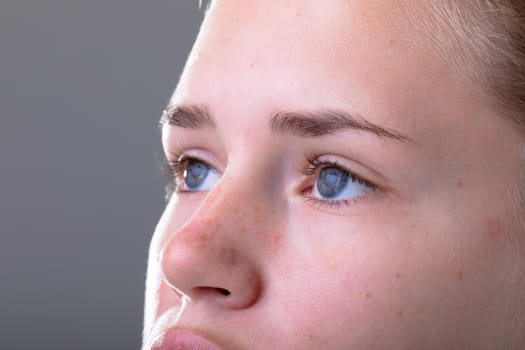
(427, 261)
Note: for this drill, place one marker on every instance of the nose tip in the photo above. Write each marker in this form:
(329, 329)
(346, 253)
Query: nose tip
(206, 267)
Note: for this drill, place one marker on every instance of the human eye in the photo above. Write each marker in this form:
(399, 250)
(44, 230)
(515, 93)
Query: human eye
(332, 184)
(190, 174)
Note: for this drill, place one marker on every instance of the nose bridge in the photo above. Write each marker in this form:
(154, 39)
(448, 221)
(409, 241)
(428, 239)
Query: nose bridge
(246, 196)
(231, 209)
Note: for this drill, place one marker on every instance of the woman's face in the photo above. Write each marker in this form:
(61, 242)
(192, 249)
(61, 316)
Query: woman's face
(338, 187)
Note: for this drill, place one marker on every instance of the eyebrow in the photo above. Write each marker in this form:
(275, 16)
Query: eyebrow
(327, 122)
(187, 116)
(299, 123)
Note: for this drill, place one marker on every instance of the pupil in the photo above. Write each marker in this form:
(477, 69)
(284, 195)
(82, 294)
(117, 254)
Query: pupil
(331, 179)
(195, 174)
(331, 182)
(197, 170)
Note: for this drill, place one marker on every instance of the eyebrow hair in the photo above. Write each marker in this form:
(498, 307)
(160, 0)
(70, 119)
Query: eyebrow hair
(327, 122)
(298, 123)
(187, 116)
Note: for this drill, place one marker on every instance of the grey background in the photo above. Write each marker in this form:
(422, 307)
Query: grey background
(82, 85)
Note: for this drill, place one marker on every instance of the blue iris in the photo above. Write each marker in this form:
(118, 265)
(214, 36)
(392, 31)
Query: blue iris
(331, 182)
(195, 174)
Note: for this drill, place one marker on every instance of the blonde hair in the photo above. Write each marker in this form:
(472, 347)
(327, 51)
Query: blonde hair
(484, 39)
(489, 37)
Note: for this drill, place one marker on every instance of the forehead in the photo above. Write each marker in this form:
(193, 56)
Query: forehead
(315, 36)
(299, 24)
(303, 54)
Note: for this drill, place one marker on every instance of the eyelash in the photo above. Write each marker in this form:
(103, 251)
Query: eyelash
(174, 169)
(315, 164)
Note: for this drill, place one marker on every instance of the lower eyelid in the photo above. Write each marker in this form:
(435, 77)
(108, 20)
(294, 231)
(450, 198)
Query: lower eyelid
(343, 207)
(330, 203)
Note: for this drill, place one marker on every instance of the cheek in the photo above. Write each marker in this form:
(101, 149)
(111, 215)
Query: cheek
(349, 281)
(393, 283)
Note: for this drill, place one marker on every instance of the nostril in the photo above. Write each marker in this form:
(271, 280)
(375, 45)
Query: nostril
(222, 291)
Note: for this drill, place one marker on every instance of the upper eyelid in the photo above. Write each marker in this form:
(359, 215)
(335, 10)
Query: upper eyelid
(198, 154)
(319, 162)
(313, 163)
(176, 163)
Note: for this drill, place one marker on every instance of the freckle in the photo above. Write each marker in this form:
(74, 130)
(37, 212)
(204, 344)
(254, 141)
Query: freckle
(243, 230)
(332, 267)
(459, 183)
(251, 65)
(459, 275)
(494, 228)
(400, 313)
(368, 295)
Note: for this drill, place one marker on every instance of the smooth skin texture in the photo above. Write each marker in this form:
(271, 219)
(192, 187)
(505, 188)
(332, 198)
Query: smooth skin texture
(426, 261)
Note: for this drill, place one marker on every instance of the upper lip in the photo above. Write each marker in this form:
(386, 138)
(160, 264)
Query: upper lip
(183, 338)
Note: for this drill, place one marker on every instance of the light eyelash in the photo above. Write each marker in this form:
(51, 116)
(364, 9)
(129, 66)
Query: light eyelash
(174, 168)
(314, 164)
(329, 203)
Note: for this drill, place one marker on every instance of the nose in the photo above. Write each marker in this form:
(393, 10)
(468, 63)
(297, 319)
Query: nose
(209, 259)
